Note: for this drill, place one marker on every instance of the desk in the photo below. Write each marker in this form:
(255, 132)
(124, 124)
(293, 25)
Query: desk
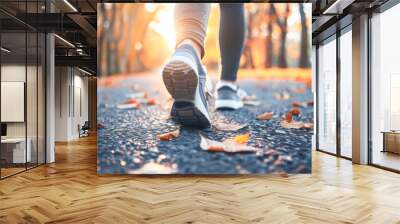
(391, 141)
(16, 148)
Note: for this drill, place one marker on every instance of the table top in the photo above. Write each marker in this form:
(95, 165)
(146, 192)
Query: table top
(13, 140)
(391, 132)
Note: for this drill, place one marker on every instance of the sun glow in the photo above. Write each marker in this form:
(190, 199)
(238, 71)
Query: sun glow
(164, 23)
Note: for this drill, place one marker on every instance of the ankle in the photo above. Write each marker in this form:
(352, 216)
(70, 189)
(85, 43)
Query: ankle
(194, 44)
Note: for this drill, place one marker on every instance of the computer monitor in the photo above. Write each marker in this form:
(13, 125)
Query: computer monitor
(3, 129)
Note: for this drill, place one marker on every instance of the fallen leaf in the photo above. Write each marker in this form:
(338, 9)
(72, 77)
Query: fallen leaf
(242, 139)
(299, 104)
(131, 101)
(222, 126)
(169, 135)
(151, 101)
(288, 117)
(293, 124)
(129, 106)
(265, 116)
(308, 125)
(229, 145)
(155, 168)
(295, 111)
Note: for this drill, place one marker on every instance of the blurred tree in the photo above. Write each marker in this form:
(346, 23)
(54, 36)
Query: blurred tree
(304, 61)
(281, 21)
(247, 51)
(268, 40)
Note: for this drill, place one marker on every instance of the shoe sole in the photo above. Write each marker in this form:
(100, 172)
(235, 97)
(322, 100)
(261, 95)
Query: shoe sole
(228, 104)
(181, 81)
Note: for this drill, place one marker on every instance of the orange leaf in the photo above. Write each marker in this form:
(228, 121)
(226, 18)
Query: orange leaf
(215, 148)
(289, 117)
(131, 101)
(169, 135)
(295, 111)
(151, 101)
(294, 124)
(308, 125)
(265, 116)
(242, 139)
(298, 104)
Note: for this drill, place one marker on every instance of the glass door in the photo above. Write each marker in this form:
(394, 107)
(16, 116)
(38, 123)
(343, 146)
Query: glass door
(327, 96)
(346, 92)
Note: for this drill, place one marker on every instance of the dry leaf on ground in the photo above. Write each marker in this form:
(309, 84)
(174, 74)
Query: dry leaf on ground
(242, 139)
(295, 111)
(308, 125)
(289, 117)
(231, 126)
(265, 116)
(293, 124)
(299, 104)
(229, 145)
(129, 106)
(169, 135)
(151, 101)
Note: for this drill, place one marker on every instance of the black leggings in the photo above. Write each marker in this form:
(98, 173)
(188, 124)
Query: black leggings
(191, 21)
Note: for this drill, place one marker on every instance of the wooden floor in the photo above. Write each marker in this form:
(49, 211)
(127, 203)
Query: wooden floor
(70, 191)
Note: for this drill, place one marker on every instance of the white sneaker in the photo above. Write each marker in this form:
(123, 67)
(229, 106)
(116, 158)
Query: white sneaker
(228, 96)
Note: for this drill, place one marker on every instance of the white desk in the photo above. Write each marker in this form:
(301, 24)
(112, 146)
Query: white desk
(18, 150)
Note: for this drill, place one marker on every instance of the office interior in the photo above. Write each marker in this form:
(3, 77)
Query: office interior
(48, 79)
(357, 82)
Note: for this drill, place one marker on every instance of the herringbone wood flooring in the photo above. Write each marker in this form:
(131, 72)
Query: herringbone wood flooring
(70, 191)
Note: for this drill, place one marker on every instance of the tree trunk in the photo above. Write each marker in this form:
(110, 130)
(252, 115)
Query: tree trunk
(304, 61)
(282, 62)
(268, 41)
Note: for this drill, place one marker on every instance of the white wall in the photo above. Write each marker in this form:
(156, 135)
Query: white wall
(70, 83)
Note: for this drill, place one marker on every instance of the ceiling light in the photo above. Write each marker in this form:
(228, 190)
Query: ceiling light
(65, 41)
(70, 5)
(5, 50)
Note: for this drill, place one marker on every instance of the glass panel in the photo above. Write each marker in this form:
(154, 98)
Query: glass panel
(327, 97)
(13, 87)
(32, 89)
(41, 99)
(31, 97)
(385, 89)
(346, 94)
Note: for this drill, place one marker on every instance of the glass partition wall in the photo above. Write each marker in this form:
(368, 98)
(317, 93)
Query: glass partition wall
(22, 101)
(385, 90)
(334, 86)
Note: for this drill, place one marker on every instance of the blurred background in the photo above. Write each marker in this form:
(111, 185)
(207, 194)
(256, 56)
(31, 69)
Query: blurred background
(138, 38)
